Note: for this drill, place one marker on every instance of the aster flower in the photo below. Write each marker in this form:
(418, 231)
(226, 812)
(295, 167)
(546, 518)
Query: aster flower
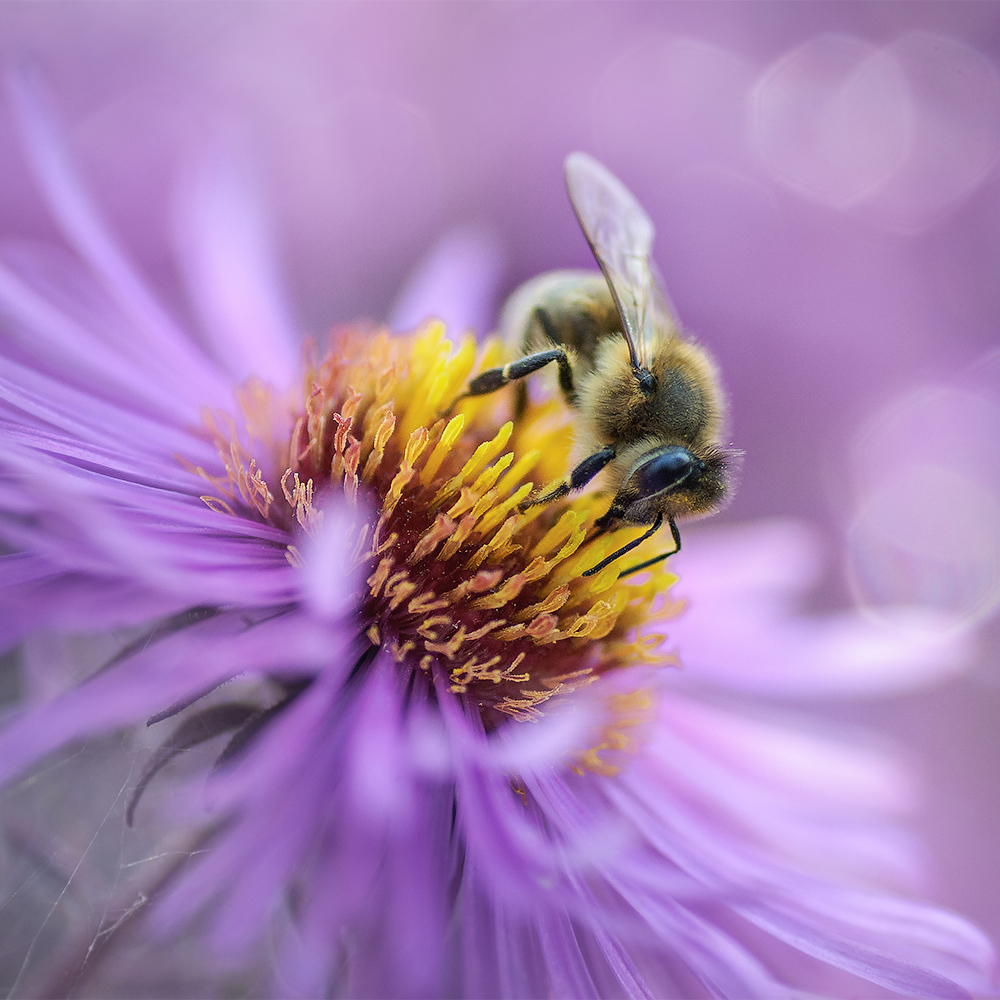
(446, 762)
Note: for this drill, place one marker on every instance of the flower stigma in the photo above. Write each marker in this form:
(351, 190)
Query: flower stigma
(459, 583)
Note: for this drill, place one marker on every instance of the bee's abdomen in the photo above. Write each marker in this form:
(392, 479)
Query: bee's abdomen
(578, 306)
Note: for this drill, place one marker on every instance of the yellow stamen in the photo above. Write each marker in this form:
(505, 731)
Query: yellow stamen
(459, 583)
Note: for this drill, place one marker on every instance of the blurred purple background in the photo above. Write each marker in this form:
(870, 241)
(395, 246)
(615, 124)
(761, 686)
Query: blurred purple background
(823, 179)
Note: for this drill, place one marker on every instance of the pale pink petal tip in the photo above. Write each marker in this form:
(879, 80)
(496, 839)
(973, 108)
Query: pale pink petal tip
(742, 627)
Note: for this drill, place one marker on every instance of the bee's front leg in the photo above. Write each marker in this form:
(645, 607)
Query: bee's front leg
(578, 478)
(652, 562)
(635, 542)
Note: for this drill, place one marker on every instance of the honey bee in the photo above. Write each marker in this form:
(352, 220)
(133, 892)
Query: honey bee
(648, 399)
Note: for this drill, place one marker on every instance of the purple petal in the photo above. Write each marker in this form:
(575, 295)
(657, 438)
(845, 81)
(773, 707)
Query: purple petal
(88, 235)
(181, 666)
(457, 282)
(36, 595)
(232, 276)
(92, 524)
(73, 345)
(83, 415)
(332, 571)
(280, 804)
(749, 577)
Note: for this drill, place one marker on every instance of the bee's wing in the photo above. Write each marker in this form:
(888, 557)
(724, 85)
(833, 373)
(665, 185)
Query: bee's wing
(662, 307)
(620, 233)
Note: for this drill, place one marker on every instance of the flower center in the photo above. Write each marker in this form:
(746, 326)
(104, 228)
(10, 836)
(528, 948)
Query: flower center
(459, 580)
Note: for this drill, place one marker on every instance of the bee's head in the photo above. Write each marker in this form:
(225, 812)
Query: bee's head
(666, 470)
(670, 480)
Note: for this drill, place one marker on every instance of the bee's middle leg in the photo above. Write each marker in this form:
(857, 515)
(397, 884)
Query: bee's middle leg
(578, 478)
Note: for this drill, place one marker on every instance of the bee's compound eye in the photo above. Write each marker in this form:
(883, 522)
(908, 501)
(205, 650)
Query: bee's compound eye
(669, 469)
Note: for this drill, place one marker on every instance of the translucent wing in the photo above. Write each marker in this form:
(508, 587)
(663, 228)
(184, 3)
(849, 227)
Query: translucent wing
(620, 233)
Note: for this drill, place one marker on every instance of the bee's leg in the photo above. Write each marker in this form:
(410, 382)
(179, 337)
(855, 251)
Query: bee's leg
(565, 368)
(520, 399)
(631, 545)
(656, 559)
(612, 514)
(542, 318)
(496, 378)
(580, 476)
